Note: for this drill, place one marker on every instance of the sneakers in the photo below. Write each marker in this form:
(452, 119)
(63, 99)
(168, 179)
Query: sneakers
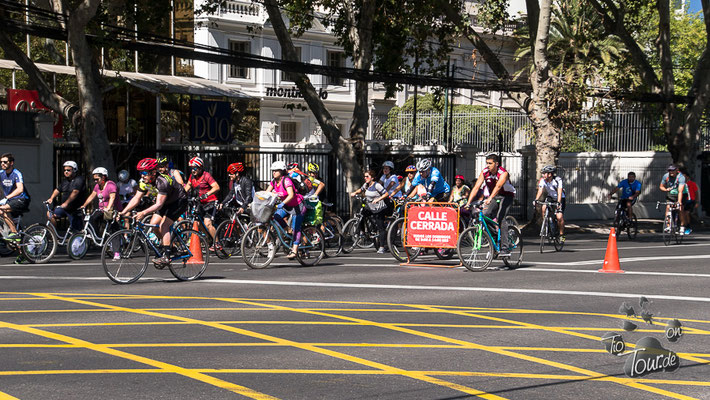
(504, 253)
(161, 262)
(681, 231)
(667, 229)
(20, 260)
(562, 238)
(688, 231)
(381, 250)
(116, 256)
(13, 236)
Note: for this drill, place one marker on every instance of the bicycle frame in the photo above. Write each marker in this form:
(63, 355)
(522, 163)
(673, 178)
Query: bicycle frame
(482, 221)
(91, 232)
(548, 216)
(138, 228)
(61, 239)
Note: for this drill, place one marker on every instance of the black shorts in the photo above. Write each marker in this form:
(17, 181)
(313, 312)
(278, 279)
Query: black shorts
(442, 197)
(173, 210)
(627, 202)
(563, 204)
(688, 205)
(18, 205)
(208, 210)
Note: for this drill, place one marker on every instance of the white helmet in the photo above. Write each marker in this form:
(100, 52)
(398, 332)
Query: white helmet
(280, 165)
(424, 165)
(100, 171)
(71, 164)
(388, 164)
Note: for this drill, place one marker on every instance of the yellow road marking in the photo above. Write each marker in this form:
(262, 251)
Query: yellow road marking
(143, 360)
(331, 353)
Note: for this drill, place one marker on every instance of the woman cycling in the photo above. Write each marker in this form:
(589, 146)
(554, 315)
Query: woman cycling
(107, 193)
(375, 194)
(292, 202)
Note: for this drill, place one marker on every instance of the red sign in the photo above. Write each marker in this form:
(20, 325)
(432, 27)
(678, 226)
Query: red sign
(28, 100)
(432, 225)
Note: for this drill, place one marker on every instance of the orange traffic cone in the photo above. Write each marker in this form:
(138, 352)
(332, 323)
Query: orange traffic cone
(611, 259)
(196, 246)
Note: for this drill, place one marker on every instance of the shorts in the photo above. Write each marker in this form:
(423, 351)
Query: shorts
(442, 197)
(75, 219)
(207, 210)
(18, 205)
(563, 204)
(688, 205)
(626, 201)
(173, 210)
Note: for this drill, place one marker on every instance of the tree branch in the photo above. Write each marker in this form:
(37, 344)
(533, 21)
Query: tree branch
(84, 12)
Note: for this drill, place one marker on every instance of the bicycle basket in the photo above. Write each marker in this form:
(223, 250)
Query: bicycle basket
(263, 206)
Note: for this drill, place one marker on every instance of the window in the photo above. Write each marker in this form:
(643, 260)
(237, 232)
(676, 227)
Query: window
(285, 76)
(336, 59)
(236, 71)
(288, 132)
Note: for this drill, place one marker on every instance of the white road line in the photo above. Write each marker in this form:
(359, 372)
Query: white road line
(623, 260)
(625, 272)
(657, 246)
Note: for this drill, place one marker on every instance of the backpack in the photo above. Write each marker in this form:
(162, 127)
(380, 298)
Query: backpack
(302, 183)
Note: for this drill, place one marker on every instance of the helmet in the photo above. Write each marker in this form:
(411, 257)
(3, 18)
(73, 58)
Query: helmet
(313, 167)
(424, 165)
(280, 165)
(100, 171)
(459, 177)
(71, 164)
(147, 164)
(196, 162)
(162, 161)
(549, 169)
(388, 164)
(672, 167)
(123, 175)
(411, 168)
(291, 166)
(235, 167)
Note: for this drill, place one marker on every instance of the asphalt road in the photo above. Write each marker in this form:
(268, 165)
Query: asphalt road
(358, 327)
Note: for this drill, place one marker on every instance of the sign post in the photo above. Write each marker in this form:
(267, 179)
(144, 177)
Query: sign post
(431, 225)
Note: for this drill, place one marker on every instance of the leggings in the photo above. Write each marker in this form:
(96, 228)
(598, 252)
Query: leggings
(298, 213)
(379, 220)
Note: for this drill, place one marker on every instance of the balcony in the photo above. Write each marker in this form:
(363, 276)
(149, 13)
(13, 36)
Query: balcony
(242, 11)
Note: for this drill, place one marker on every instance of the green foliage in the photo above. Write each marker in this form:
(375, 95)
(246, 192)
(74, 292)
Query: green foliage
(493, 14)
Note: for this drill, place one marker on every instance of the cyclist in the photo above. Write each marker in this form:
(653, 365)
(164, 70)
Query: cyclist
(676, 188)
(317, 184)
(376, 208)
(73, 191)
(107, 193)
(206, 187)
(691, 204)
(555, 192)
(292, 201)
(430, 179)
(460, 191)
(405, 186)
(241, 188)
(17, 199)
(312, 199)
(630, 191)
(166, 167)
(495, 181)
(170, 203)
(126, 187)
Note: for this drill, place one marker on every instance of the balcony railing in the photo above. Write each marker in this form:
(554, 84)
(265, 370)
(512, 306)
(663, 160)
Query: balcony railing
(240, 9)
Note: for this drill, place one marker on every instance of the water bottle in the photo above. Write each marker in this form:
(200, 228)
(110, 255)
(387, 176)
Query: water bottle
(153, 239)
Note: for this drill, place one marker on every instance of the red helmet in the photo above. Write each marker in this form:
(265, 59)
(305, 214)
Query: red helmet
(196, 162)
(291, 166)
(147, 164)
(459, 177)
(235, 167)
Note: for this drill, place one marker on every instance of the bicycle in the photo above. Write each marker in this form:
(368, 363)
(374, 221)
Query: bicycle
(125, 254)
(396, 235)
(331, 229)
(193, 215)
(671, 223)
(476, 247)
(37, 243)
(228, 239)
(549, 231)
(259, 245)
(79, 242)
(351, 234)
(622, 222)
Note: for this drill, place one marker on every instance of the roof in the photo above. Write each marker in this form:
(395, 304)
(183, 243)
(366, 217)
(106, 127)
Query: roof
(149, 82)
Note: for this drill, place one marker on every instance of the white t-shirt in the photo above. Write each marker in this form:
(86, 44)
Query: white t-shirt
(386, 181)
(126, 188)
(552, 186)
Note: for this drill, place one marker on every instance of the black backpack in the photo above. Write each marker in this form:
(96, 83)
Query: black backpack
(303, 185)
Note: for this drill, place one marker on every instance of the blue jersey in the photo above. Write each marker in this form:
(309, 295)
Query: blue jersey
(9, 183)
(628, 189)
(440, 185)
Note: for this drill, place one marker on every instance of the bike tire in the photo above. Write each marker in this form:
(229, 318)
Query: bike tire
(445, 254)
(182, 225)
(312, 247)
(543, 235)
(349, 235)
(5, 250)
(78, 245)
(367, 239)
(555, 235)
(395, 242)
(515, 241)
(632, 229)
(333, 237)
(38, 244)
(475, 258)
(255, 247)
(512, 221)
(182, 243)
(228, 238)
(667, 231)
(132, 258)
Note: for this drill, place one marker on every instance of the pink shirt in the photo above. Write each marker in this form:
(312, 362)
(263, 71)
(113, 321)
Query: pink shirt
(281, 191)
(103, 195)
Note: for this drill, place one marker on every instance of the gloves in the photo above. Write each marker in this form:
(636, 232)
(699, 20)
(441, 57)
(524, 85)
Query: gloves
(534, 203)
(204, 196)
(3, 202)
(431, 187)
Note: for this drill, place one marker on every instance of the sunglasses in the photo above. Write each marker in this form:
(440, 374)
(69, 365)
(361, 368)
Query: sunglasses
(146, 173)
(69, 170)
(4, 162)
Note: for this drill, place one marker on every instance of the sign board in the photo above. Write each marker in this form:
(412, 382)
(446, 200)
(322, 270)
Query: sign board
(28, 100)
(210, 121)
(434, 225)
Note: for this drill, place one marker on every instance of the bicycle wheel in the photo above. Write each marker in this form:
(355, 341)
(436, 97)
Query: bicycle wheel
(124, 257)
(515, 241)
(367, 238)
(543, 235)
(194, 253)
(667, 230)
(632, 228)
(38, 244)
(395, 242)
(349, 235)
(445, 254)
(5, 250)
(228, 239)
(182, 225)
(555, 235)
(312, 247)
(333, 238)
(617, 224)
(258, 248)
(511, 220)
(474, 249)
(78, 245)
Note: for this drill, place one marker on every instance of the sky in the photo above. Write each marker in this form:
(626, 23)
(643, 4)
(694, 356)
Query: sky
(694, 6)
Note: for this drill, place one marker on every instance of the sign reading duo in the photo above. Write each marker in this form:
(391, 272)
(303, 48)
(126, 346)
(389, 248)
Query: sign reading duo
(210, 121)
(431, 225)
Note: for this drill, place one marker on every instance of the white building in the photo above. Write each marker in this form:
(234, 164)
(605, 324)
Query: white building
(285, 118)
